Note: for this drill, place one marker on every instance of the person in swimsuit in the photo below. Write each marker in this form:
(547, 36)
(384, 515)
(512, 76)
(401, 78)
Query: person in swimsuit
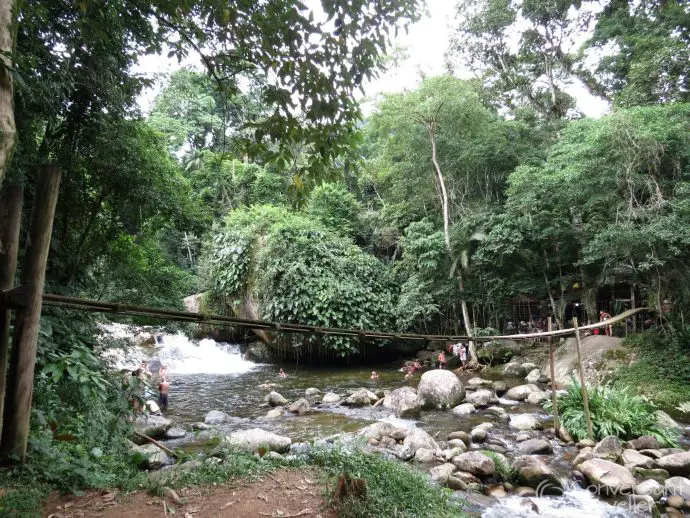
(163, 390)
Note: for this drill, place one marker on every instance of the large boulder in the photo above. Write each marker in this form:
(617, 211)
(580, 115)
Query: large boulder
(403, 401)
(535, 446)
(256, 438)
(533, 472)
(533, 376)
(301, 407)
(499, 387)
(418, 438)
(650, 487)
(175, 433)
(536, 398)
(678, 486)
(361, 397)
(633, 459)
(150, 456)
(514, 369)
(311, 392)
(377, 430)
(440, 474)
(215, 417)
(525, 422)
(676, 463)
(609, 448)
(330, 398)
(521, 392)
(608, 477)
(440, 389)
(463, 410)
(476, 463)
(152, 425)
(275, 399)
(259, 352)
(481, 398)
(666, 420)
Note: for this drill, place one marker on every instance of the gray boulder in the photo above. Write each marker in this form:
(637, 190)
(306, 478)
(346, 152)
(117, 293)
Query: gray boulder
(660, 475)
(403, 401)
(215, 417)
(521, 392)
(440, 388)
(499, 387)
(311, 392)
(609, 448)
(666, 420)
(678, 486)
(529, 366)
(478, 382)
(463, 410)
(175, 433)
(462, 435)
(607, 476)
(535, 473)
(275, 413)
(475, 463)
(275, 399)
(585, 454)
(481, 398)
(478, 434)
(535, 446)
(633, 459)
(377, 430)
(651, 488)
(498, 412)
(418, 438)
(533, 376)
(440, 474)
(676, 463)
(645, 442)
(536, 398)
(301, 407)
(525, 422)
(361, 397)
(330, 398)
(151, 457)
(514, 369)
(256, 438)
(424, 455)
(152, 425)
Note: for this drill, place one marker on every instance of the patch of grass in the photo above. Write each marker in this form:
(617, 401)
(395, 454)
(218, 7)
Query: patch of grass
(23, 503)
(503, 470)
(614, 411)
(662, 369)
(394, 490)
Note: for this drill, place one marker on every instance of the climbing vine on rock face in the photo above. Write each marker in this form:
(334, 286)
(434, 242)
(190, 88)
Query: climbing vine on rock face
(299, 272)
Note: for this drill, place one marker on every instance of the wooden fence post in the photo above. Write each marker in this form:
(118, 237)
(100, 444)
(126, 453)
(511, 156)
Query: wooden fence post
(15, 434)
(554, 403)
(10, 219)
(583, 385)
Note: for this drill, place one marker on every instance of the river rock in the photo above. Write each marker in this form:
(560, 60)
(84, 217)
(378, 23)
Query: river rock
(497, 491)
(175, 433)
(521, 392)
(533, 376)
(404, 402)
(536, 398)
(676, 463)
(675, 501)
(585, 454)
(440, 474)
(275, 399)
(255, 438)
(499, 387)
(564, 435)
(463, 410)
(634, 459)
(418, 438)
(497, 411)
(440, 388)
(529, 366)
(399, 434)
(201, 426)
(377, 430)
(507, 402)
(586, 443)
(652, 454)
(462, 435)
(678, 486)
(525, 492)
(522, 437)
(609, 448)
(311, 392)
(152, 425)
(535, 473)
(215, 417)
(454, 451)
(651, 488)
(152, 457)
(301, 407)
(607, 476)
(514, 369)
(476, 463)
(424, 455)
(275, 413)
(330, 398)
(535, 446)
(657, 474)
(458, 443)
(455, 484)
(525, 422)
(666, 420)
(478, 434)
(478, 382)
(361, 397)
(259, 352)
(645, 442)
(481, 397)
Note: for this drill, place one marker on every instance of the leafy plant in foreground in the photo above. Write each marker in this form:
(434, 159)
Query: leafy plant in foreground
(614, 411)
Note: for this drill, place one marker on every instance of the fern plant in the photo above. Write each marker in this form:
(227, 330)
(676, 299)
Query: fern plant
(614, 411)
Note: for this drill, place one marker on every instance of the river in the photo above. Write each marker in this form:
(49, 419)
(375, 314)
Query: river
(206, 376)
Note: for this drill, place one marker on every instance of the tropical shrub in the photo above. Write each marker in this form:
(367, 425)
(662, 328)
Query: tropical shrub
(335, 207)
(614, 411)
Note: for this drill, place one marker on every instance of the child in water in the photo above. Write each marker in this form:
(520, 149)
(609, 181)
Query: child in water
(282, 374)
(374, 375)
(442, 362)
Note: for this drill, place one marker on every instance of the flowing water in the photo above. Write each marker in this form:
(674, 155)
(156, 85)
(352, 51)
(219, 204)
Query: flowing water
(206, 376)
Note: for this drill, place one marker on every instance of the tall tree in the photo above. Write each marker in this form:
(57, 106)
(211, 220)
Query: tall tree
(8, 34)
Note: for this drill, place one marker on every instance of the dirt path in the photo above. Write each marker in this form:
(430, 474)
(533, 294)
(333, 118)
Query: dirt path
(284, 494)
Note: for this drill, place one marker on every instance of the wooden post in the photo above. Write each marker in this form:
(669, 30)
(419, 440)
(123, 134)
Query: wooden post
(554, 403)
(10, 219)
(583, 385)
(15, 434)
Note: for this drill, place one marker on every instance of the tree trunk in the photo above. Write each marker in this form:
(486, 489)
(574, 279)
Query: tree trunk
(10, 220)
(20, 383)
(431, 129)
(8, 130)
(553, 302)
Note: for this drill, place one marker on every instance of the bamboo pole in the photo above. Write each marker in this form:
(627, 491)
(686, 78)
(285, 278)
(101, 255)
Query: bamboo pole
(583, 385)
(21, 376)
(10, 221)
(554, 402)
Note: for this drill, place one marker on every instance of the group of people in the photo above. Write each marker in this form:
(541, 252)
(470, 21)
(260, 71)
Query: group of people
(143, 374)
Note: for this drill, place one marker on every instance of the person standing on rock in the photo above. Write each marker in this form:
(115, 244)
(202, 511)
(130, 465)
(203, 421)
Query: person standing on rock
(603, 315)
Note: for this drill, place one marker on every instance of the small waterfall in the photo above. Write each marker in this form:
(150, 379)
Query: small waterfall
(179, 353)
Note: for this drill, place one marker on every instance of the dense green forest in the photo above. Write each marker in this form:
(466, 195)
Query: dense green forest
(256, 178)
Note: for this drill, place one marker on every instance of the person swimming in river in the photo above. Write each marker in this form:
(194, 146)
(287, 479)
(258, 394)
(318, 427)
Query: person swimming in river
(282, 374)
(163, 390)
(374, 375)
